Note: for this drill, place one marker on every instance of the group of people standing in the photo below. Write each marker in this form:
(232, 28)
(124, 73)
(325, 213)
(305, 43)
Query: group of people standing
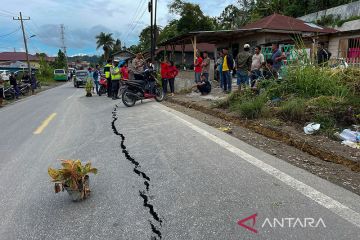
(249, 67)
(168, 73)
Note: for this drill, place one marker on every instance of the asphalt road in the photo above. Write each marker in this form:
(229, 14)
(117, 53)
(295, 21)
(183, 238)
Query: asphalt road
(161, 173)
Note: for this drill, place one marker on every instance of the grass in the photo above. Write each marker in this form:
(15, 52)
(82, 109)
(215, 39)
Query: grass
(293, 109)
(308, 93)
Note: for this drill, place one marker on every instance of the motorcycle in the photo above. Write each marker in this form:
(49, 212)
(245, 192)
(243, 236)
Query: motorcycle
(103, 86)
(135, 90)
(9, 93)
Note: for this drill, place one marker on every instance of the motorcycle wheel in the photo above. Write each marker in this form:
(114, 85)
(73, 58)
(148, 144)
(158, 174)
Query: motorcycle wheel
(159, 94)
(9, 95)
(128, 99)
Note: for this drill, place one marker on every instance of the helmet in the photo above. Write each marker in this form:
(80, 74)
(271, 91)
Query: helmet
(122, 63)
(246, 46)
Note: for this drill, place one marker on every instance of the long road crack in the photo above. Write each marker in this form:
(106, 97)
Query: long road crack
(142, 193)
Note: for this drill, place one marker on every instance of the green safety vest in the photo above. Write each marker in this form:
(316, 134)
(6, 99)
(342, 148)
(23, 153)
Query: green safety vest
(107, 68)
(116, 76)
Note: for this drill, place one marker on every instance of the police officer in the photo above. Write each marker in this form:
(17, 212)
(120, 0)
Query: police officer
(107, 72)
(115, 79)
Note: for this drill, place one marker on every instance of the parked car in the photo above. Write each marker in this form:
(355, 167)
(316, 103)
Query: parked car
(60, 75)
(5, 74)
(80, 78)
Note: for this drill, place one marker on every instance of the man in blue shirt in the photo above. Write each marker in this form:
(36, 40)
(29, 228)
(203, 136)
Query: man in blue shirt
(276, 57)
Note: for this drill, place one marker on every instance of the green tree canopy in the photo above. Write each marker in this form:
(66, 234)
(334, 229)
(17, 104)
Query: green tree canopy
(60, 60)
(106, 42)
(191, 17)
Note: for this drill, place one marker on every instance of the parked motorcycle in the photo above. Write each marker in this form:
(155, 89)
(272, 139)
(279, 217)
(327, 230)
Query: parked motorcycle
(103, 86)
(135, 90)
(9, 93)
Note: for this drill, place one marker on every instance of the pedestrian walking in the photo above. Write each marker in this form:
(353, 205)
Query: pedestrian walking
(198, 67)
(164, 71)
(1, 91)
(219, 63)
(115, 79)
(205, 65)
(243, 66)
(257, 62)
(323, 55)
(107, 72)
(14, 84)
(96, 78)
(172, 73)
(228, 65)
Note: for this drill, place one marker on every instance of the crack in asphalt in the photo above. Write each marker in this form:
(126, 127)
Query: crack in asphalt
(143, 194)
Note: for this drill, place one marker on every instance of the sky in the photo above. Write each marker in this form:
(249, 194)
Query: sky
(83, 20)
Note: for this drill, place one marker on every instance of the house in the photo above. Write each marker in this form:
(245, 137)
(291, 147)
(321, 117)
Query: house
(7, 58)
(275, 28)
(123, 55)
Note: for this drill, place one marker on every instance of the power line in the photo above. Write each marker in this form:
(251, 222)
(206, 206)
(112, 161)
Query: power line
(135, 22)
(135, 15)
(21, 19)
(7, 34)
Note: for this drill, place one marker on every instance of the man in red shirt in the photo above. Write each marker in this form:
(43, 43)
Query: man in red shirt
(164, 71)
(124, 71)
(198, 67)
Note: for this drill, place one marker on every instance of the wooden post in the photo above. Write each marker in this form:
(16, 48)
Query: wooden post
(193, 42)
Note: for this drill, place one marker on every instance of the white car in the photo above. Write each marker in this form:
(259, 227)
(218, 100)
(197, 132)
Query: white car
(5, 74)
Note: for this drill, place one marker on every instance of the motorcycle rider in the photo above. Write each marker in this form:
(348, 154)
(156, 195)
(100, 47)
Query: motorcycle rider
(107, 72)
(115, 79)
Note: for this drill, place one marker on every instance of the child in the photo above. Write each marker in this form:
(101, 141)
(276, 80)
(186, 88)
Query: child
(172, 73)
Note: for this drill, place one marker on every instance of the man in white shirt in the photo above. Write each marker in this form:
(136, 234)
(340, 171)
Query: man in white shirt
(258, 62)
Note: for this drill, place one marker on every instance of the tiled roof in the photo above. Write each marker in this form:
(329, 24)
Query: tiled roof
(20, 56)
(286, 23)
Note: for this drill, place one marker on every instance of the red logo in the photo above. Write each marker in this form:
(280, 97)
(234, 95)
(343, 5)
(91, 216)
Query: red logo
(242, 222)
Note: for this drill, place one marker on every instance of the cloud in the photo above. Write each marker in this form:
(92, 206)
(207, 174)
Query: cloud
(78, 38)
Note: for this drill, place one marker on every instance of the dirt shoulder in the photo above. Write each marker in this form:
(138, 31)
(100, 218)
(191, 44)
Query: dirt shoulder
(317, 154)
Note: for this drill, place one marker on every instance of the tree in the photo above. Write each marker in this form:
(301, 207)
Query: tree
(60, 60)
(106, 42)
(233, 17)
(169, 31)
(117, 46)
(191, 17)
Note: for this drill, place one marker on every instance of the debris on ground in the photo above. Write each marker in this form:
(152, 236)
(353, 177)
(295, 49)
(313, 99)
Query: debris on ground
(311, 128)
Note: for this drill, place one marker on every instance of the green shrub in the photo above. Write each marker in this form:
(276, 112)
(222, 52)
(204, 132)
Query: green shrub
(252, 108)
(309, 81)
(293, 109)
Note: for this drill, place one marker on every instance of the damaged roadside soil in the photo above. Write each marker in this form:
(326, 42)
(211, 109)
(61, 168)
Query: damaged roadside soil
(336, 173)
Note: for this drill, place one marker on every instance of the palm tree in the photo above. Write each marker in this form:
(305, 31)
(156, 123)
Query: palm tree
(117, 46)
(106, 41)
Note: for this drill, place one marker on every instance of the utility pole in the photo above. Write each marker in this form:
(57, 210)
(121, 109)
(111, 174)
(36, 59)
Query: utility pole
(155, 29)
(62, 31)
(21, 19)
(150, 8)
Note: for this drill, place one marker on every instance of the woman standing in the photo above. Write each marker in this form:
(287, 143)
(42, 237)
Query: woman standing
(172, 73)
(164, 71)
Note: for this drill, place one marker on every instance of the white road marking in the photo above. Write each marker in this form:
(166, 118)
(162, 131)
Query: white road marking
(322, 199)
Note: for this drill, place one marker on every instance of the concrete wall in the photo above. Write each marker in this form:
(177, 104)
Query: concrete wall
(334, 41)
(344, 11)
(186, 78)
(348, 26)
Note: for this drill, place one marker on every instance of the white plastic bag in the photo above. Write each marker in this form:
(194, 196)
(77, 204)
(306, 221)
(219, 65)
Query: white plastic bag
(311, 128)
